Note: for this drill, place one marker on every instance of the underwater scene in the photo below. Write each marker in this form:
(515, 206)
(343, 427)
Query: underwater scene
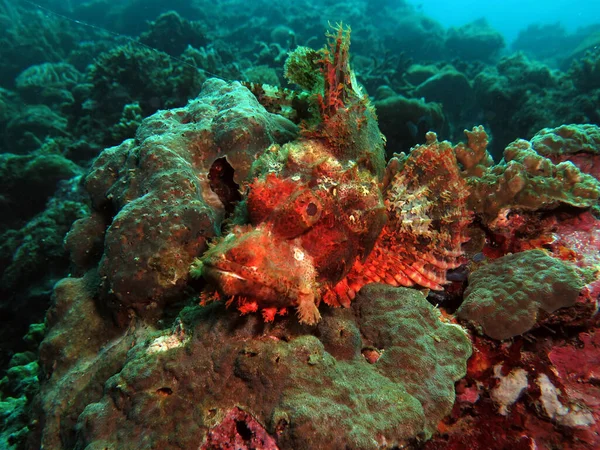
(318, 224)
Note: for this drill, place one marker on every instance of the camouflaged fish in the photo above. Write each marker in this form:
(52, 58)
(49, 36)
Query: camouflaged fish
(325, 215)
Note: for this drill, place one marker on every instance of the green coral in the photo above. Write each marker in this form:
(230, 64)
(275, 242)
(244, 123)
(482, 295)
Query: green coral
(305, 386)
(527, 181)
(506, 297)
(567, 140)
(421, 352)
(17, 389)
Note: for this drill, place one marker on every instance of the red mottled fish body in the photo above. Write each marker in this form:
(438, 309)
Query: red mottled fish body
(323, 217)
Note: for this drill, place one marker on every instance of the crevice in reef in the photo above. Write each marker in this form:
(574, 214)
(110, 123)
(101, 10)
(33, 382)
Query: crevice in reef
(221, 181)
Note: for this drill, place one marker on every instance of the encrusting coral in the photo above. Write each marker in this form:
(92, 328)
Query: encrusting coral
(177, 388)
(522, 181)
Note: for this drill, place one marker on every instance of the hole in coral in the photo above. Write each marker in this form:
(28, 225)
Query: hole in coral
(243, 430)
(165, 391)
(221, 181)
(281, 426)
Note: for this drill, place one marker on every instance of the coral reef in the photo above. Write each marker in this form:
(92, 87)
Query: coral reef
(131, 73)
(31, 126)
(298, 385)
(291, 187)
(586, 71)
(475, 40)
(404, 121)
(49, 82)
(172, 34)
(450, 88)
(32, 259)
(18, 388)
(28, 181)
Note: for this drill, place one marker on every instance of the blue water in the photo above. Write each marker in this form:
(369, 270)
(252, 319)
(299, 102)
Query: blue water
(511, 16)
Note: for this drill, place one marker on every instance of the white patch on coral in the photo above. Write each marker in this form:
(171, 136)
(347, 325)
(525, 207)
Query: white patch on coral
(570, 416)
(164, 343)
(509, 388)
(298, 254)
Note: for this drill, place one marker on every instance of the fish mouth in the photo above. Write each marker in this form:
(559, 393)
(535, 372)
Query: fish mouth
(215, 272)
(230, 281)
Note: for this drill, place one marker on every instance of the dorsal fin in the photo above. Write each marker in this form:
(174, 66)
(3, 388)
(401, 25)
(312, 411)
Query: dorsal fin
(425, 197)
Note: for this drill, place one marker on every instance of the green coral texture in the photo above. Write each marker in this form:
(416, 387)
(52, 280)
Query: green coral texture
(505, 297)
(304, 388)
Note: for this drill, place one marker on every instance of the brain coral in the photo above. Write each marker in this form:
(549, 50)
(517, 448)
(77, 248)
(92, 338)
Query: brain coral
(506, 296)
(308, 391)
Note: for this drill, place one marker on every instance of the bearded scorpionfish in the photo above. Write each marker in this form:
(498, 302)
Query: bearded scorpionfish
(325, 216)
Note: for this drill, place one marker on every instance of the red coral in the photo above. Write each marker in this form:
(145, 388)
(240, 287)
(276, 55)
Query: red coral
(238, 431)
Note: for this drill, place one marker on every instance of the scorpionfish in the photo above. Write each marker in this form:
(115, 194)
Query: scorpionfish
(324, 216)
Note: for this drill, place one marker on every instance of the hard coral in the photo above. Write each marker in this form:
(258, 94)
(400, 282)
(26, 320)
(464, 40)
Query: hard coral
(526, 181)
(304, 389)
(508, 295)
(157, 195)
(579, 144)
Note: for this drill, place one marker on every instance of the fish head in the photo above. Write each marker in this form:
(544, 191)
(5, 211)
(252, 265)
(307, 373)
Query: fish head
(308, 223)
(250, 263)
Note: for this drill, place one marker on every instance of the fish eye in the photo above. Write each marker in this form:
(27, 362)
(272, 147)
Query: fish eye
(311, 209)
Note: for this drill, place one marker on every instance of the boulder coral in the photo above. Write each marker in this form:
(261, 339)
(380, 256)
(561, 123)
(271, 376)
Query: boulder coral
(175, 389)
(507, 296)
(164, 194)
